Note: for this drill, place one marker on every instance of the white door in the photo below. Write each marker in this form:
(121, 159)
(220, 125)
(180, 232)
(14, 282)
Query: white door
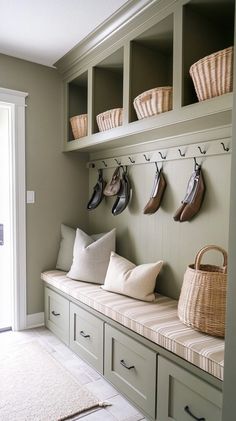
(5, 222)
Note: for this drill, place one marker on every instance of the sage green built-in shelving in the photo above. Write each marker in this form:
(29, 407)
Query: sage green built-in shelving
(157, 49)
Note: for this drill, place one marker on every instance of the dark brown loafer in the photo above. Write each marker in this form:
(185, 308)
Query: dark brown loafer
(157, 193)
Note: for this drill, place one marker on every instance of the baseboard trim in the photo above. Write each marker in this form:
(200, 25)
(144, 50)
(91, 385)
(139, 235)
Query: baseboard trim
(34, 320)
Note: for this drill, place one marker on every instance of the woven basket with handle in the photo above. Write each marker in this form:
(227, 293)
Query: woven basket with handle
(202, 299)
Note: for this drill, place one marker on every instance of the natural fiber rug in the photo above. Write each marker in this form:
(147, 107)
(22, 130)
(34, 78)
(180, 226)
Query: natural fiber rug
(35, 387)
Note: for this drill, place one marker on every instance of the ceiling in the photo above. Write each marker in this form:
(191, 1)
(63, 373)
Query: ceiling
(42, 31)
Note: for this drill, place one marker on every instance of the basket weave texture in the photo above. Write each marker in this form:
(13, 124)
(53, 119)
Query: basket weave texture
(153, 102)
(110, 119)
(79, 125)
(202, 299)
(213, 75)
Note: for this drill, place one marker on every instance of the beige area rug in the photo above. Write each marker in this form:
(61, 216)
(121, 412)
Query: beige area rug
(35, 387)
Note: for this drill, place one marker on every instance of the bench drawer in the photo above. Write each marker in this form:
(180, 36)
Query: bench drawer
(57, 314)
(131, 367)
(181, 396)
(86, 336)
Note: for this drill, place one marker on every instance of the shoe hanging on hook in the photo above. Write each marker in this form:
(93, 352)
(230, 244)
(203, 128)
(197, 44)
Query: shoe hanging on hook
(123, 196)
(114, 184)
(194, 196)
(157, 193)
(97, 195)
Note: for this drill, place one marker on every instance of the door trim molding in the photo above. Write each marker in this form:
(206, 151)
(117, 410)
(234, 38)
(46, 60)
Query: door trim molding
(15, 100)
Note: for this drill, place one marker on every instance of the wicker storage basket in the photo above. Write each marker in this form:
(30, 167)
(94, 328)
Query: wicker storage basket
(202, 299)
(110, 119)
(213, 75)
(79, 125)
(154, 101)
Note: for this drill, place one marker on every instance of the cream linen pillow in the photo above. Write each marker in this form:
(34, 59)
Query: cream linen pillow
(126, 278)
(65, 254)
(91, 257)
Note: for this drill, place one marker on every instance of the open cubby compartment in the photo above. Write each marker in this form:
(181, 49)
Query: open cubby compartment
(77, 99)
(151, 60)
(208, 26)
(108, 85)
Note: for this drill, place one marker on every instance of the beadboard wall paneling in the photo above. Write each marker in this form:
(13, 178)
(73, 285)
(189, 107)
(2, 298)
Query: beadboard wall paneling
(147, 238)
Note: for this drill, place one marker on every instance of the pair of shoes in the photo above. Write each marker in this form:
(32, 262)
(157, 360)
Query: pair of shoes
(193, 198)
(158, 189)
(97, 195)
(123, 196)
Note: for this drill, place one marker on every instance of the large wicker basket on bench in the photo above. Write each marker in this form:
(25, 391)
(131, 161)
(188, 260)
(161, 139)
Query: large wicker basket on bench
(202, 299)
(213, 75)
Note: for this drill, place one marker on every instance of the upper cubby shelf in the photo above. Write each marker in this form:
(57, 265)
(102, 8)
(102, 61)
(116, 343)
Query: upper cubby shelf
(108, 85)
(208, 26)
(151, 60)
(77, 99)
(156, 52)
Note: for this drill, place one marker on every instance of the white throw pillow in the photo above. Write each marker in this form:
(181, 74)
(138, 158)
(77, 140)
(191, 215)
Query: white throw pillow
(91, 257)
(126, 278)
(65, 254)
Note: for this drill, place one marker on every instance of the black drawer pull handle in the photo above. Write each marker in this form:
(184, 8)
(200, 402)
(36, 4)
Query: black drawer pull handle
(122, 362)
(193, 416)
(55, 314)
(84, 334)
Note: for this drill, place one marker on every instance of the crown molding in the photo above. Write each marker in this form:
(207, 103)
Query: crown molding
(119, 20)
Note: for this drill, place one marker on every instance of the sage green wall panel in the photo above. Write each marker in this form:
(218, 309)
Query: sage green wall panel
(59, 180)
(147, 238)
(108, 91)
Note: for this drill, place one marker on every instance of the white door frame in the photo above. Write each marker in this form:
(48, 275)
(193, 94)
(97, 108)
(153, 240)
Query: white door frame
(15, 100)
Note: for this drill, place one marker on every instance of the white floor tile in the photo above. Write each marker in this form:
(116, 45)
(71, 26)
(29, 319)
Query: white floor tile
(122, 410)
(100, 415)
(102, 389)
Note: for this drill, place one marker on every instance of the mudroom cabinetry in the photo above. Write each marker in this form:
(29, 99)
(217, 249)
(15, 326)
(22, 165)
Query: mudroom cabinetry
(182, 396)
(157, 51)
(86, 336)
(155, 47)
(156, 381)
(57, 314)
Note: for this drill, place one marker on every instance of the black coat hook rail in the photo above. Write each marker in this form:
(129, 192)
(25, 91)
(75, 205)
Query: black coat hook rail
(197, 150)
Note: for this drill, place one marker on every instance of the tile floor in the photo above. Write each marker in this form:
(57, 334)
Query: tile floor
(120, 409)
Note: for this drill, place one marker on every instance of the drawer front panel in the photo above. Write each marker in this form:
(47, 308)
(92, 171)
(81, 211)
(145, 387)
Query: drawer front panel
(86, 336)
(131, 367)
(57, 314)
(181, 396)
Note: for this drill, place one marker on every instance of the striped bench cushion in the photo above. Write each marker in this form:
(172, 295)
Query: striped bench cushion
(157, 321)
